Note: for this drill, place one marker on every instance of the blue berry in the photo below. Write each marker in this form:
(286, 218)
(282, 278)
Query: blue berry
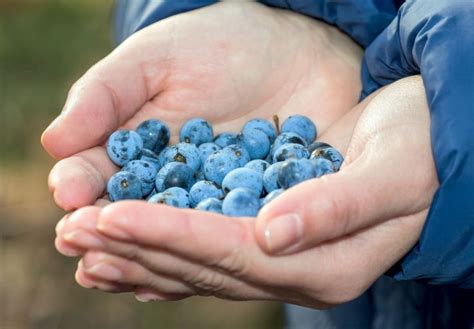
(263, 125)
(206, 149)
(329, 153)
(210, 204)
(200, 175)
(301, 125)
(124, 146)
(295, 171)
(174, 174)
(241, 202)
(180, 194)
(226, 139)
(155, 134)
(196, 131)
(290, 151)
(258, 165)
(322, 166)
(317, 145)
(269, 157)
(164, 198)
(124, 185)
(152, 193)
(150, 157)
(272, 195)
(145, 171)
(256, 142)
(243, 177)
(161, 156)
(270, 177)
(285, 138)
(218, 164)
(288, 137)
(237, 150)
(203, 190)
(185, 153)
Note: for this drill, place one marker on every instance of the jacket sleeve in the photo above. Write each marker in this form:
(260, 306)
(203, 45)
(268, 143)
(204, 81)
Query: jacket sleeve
(133, 15)
(361, 20)
(436, 39)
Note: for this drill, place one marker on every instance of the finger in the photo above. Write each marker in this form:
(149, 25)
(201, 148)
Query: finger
(77, 232)
(145, 223)
(206, 280)
(108, 94)
(215, 254)
(80, 180)
(62, 246)
(116, 269)
(154, 225)
(145, 295)
(102, 202)
(78, 225)
(88, 281)
(202, 280)
(223, 248)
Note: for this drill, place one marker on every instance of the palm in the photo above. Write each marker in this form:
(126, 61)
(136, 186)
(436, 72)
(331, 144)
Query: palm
(385, 131)
(269, 65)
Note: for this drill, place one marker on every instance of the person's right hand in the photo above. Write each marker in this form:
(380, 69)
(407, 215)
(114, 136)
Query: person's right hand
(228, 63)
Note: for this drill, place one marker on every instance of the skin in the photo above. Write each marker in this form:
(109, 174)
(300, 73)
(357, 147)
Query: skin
(285, 63)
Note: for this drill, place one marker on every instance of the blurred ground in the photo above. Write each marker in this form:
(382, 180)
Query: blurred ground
(45, 46)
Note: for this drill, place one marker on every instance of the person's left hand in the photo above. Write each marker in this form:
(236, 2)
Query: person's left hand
(164, 253)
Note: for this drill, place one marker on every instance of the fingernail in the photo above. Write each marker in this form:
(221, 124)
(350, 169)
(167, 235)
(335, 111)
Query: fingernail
(146, 297)
(113, 230)
(65, 249)
(283, 232)
(105, 271)
(84, 239)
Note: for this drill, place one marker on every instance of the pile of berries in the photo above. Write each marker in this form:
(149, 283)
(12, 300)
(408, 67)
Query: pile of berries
(231, 173)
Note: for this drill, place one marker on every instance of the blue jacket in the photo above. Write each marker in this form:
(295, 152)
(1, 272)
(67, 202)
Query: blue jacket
(431, 37)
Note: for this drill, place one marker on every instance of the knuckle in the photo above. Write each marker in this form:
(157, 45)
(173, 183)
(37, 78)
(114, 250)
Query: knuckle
(132, 253)
(207, 282)
(234, 263)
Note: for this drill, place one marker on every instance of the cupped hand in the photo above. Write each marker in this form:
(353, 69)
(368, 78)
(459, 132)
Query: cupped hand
(164, 253)
(228, 63)
(388, 172)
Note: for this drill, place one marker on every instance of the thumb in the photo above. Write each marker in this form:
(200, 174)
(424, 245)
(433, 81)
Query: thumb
(372, 189)
(107, 95)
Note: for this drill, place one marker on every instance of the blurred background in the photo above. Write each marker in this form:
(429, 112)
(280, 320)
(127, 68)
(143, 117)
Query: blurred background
(45, 45)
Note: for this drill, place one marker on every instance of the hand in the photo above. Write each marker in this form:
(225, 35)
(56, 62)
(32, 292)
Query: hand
(164, 253)
(388, 173)
(228, 63)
